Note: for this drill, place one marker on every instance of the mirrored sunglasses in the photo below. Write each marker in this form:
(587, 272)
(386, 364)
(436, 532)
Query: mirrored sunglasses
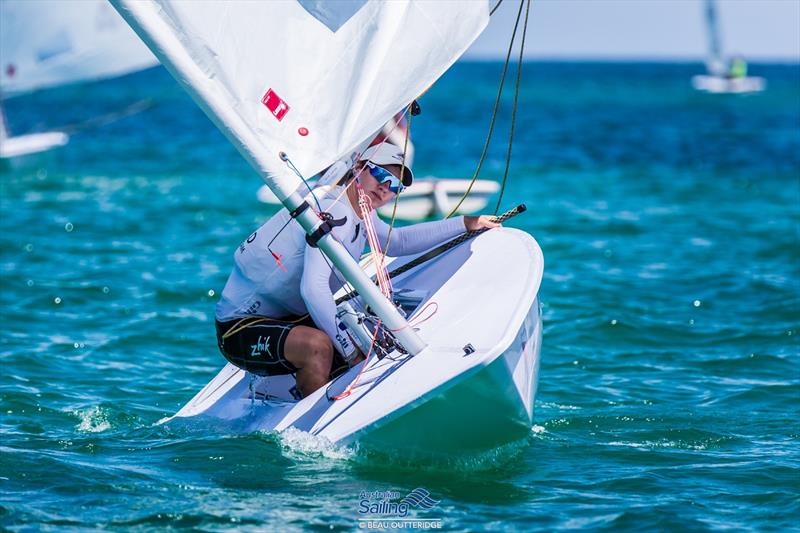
(384, 176)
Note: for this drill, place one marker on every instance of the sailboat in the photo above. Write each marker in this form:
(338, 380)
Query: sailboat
(427, 197)
(50, 43)
(296, 86)
(724, 75)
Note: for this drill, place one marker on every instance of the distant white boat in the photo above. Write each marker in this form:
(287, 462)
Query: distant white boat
(426, 198)
(721, 84)
(724, 75)
(30, 144)
(50, 43)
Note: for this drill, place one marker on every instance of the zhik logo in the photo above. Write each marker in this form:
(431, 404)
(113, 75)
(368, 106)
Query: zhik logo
(260, 347)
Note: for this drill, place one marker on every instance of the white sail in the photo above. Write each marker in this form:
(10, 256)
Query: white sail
(309, 79)
(47, 43)
(715, 62)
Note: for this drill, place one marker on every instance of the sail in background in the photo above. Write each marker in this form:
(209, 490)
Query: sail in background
(312, 79)
(47, 43)
(716, 62)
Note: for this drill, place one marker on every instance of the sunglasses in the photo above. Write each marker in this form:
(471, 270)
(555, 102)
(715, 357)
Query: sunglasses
(384, 176)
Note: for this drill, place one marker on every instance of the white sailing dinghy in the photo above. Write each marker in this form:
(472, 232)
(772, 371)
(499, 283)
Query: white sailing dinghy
(426, 198)
(720, 78)
(50, 43)
(307, 82)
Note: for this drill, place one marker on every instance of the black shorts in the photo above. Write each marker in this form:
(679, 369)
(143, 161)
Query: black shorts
(256, 344)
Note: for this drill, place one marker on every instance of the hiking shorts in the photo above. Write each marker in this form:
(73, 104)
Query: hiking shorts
(256, 344)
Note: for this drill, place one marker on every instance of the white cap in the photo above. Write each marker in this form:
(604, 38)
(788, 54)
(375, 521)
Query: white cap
(388, 154)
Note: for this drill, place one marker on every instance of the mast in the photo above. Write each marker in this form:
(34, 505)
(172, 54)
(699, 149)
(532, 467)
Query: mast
(169, 49)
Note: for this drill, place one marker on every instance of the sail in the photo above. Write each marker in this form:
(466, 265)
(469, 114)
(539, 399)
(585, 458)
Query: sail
(715, 61)
(310, 78)
(299, 83)
(47, 43)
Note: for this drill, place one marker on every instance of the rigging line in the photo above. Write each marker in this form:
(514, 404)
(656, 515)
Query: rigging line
(285, 157)
(110, 118)
(402, 171)
(514, 108)
(495, 7)
(494, 115)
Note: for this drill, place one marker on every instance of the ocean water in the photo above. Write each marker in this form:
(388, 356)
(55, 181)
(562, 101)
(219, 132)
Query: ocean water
(670, 381)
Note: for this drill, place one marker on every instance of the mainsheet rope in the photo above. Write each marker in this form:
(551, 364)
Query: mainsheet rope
(514, 109)
(496, 107)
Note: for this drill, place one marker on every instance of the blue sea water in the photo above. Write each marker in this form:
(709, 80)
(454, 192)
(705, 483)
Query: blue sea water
(670, 381)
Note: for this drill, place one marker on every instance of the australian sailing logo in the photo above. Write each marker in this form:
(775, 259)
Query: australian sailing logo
(390, 510)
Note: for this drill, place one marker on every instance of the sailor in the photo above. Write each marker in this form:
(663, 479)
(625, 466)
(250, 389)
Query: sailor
(738, 68)
(277, 313)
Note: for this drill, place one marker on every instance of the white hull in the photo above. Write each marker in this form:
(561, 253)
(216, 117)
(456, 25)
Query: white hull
(486, 292)
(31, 144)
(427, 198)
(723, 85)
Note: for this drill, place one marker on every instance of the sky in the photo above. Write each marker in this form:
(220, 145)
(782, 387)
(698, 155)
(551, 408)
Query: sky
(645, 29)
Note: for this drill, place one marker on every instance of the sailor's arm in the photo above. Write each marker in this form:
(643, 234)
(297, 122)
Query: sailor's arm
(315, 288)
(420, 237)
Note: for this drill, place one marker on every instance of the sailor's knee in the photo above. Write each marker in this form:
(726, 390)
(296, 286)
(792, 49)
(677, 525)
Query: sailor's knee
(309, 347)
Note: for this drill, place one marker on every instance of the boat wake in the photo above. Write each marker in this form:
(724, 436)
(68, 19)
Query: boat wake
(297, 445)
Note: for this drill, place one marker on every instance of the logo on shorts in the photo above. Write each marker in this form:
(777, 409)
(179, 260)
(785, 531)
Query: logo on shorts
(260, 347)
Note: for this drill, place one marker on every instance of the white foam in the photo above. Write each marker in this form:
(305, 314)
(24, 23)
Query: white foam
(93, 420)
(297, 444)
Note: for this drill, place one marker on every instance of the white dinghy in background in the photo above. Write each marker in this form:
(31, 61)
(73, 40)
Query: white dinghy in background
(720, 79)
(427, 198)
(50, 43)
(461, 352)
(725, 85)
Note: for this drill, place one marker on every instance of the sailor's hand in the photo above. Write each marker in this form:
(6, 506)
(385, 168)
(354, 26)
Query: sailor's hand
(480, 222)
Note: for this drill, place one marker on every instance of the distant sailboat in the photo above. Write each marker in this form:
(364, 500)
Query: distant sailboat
(49, 43)
(427, 197)
(724, 76)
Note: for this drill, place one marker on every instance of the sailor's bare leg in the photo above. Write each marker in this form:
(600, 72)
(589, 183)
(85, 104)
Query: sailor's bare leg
(311, 351)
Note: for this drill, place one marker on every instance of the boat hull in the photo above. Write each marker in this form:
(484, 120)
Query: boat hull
(492, 407)
(473, 387)
(33, 143)
(723, 85)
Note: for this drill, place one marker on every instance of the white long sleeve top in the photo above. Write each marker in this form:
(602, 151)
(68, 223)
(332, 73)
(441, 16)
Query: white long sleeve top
(257, 286)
